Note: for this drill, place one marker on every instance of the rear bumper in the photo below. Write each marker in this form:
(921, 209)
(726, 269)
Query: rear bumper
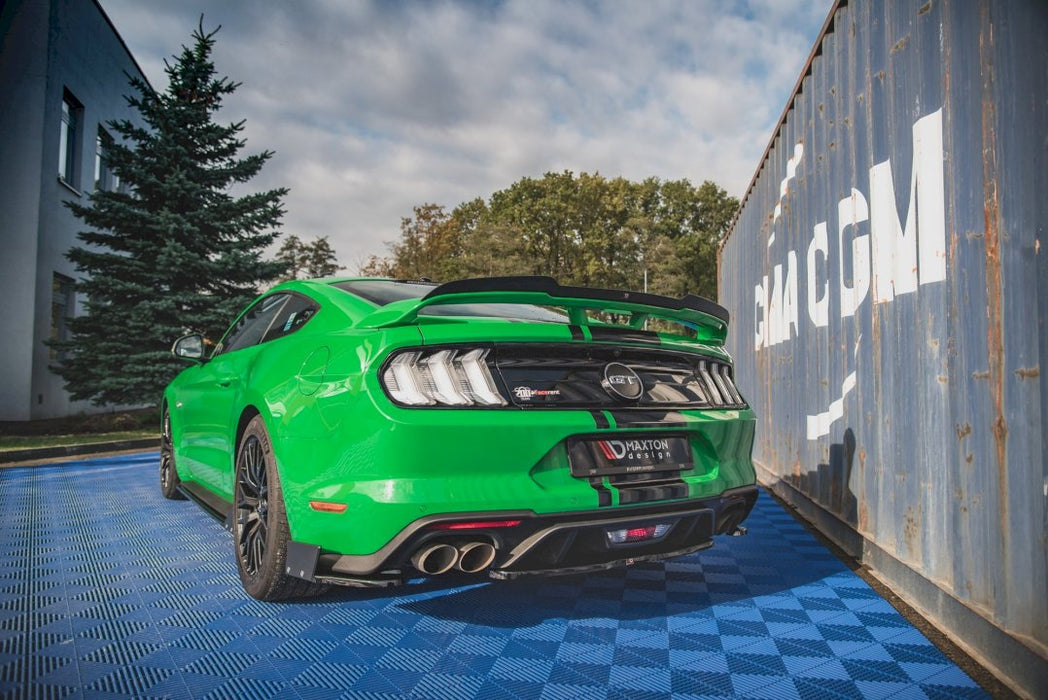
(549, 544)
(393, 471)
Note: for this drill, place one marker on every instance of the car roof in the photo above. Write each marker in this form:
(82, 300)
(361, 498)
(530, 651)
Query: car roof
(325, 291)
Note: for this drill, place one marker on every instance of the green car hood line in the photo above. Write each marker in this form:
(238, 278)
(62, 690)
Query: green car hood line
(709, 320)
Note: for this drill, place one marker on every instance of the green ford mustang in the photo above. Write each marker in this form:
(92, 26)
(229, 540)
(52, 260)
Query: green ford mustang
(364, 432)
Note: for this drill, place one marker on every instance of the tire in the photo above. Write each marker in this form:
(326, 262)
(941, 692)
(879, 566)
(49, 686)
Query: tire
(169, 480)
(260, 528)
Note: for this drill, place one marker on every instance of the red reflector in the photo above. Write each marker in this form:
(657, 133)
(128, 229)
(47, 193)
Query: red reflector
(640, 533)
(475, 525)
(326, 507)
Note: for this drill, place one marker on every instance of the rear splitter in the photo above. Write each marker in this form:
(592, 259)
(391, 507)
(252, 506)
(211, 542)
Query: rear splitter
(525, 543)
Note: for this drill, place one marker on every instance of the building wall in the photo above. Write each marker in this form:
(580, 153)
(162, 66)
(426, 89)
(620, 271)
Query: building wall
(889, 295)
(49, 48)
(23, 88)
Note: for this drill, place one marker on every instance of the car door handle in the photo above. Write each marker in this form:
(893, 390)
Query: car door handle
(225, 381)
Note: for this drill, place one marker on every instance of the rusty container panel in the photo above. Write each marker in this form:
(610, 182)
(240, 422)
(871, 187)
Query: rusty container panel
(889, 294)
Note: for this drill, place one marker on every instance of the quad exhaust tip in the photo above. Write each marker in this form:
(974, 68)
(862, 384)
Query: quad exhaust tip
(475, 557)
(439, 558)
(435, 559)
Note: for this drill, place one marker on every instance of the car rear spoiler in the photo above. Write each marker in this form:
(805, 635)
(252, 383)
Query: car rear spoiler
(708, 319)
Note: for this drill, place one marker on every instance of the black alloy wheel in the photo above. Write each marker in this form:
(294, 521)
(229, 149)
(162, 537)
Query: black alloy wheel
(169, 480)
(252, 506)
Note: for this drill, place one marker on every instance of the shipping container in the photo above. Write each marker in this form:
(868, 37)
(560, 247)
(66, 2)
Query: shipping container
(888, 291)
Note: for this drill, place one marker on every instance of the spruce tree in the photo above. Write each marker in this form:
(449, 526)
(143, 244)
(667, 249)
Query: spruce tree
(294, 256)
(171, 250)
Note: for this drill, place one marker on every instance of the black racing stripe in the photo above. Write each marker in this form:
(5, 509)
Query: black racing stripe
(634, 490)
(600, 419)
(648, 419)
(576, 332)
(603, 494)
(645, 494)
(624, 335)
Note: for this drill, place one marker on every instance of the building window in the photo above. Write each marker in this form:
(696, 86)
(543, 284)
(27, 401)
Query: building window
(69, 140)
(105, 178)
(63, 307)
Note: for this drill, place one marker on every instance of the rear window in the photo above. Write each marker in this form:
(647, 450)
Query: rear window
(382, 292)
(293, 315)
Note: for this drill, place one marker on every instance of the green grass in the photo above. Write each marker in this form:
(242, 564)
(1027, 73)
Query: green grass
(24, 442)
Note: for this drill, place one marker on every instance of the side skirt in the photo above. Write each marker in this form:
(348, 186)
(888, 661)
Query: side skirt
(217, 507)
(301, 558)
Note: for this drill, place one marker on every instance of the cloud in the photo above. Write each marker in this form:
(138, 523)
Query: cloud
(374, 107)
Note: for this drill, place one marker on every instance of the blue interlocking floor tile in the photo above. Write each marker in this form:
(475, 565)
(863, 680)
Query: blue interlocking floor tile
(109, 591)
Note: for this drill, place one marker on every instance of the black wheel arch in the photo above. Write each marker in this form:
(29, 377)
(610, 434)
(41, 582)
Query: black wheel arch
(246, 415)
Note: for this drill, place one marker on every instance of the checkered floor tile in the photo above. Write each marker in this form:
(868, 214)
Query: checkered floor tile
(108, 590)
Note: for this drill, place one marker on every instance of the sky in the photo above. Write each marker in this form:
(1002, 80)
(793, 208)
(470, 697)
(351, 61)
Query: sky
(375, 107)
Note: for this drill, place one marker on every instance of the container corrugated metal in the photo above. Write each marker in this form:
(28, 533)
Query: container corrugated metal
(888, 292)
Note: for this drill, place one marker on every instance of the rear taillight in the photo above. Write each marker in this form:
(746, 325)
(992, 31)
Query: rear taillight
(716, 380)
(441, 378)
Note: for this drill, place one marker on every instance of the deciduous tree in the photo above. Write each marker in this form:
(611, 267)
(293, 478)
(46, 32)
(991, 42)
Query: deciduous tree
(584, 229)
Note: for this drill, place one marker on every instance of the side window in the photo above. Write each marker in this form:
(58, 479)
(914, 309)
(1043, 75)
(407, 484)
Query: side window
(253, 325)
(69, 140)
(292, 316)
(105, 178)
(63, 306)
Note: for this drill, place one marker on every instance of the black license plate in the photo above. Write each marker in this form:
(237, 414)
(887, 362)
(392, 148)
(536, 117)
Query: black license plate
(628, 454)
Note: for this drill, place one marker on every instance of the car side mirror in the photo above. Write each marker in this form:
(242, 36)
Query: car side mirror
(189, 347)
